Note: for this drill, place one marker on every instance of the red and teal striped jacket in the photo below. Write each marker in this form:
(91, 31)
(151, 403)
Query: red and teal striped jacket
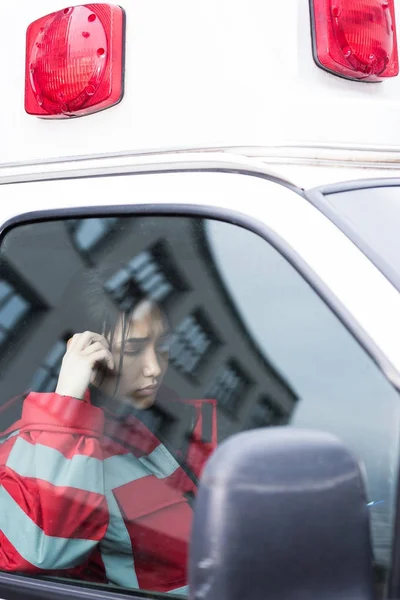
(87, 495)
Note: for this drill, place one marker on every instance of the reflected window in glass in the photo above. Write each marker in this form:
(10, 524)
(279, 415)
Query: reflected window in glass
(193, 343)
(15, 309)
(46, 376)
(148, 274)
(89, 234)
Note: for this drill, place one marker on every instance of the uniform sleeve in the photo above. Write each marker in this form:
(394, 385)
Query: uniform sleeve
(53, 510)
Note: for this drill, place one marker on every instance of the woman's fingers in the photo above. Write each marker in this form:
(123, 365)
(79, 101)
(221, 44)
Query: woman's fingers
(80, 341)
(99, 349)
(102, 356)
(85, 352)
(93, 347)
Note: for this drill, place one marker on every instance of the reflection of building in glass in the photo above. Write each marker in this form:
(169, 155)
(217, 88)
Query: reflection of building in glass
(13, 308)
(166, 258)
(267, 413)
(88, 234)
(148, 274)
(229, 387)
(46, 376)
(192, 343)
(17, 306)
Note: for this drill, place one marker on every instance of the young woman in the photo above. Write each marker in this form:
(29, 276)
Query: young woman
(90, 488)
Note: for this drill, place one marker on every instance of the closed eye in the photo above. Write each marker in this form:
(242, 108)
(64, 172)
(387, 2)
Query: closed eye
(134, 346)
(132, 352)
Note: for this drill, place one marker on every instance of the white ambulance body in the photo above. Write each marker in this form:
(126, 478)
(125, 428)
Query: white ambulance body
(226, 113)
(212, 75)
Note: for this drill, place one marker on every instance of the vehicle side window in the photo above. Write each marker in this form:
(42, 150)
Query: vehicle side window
(158, 338)
(370, 217)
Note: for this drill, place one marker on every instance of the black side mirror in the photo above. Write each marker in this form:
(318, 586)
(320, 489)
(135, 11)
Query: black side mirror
(281, 514)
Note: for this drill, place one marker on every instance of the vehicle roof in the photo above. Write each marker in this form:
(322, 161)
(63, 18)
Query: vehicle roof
(211, 74)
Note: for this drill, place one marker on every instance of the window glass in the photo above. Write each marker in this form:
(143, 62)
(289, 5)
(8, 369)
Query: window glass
(12, 308)
(192, 343)
(18, 304)
(373, 215)
(229, 387)
(89, 234)
(180, 333)
(149, 273)
(45, 378)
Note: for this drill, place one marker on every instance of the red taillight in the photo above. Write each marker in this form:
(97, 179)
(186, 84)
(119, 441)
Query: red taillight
(74, 61)
(355, 38)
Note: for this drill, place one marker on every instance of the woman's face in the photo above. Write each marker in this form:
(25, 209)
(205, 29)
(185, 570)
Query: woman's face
(144, 352)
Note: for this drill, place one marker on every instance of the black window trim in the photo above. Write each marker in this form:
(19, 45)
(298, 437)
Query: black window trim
(20, 584)
(319, 198)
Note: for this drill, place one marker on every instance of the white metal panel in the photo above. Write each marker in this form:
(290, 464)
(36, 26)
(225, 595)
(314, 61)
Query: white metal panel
(212, 73)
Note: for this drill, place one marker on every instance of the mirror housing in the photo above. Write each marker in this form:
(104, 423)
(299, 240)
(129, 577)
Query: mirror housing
(281, 513)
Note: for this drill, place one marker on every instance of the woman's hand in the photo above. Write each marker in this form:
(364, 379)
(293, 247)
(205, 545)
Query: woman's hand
(86, 352)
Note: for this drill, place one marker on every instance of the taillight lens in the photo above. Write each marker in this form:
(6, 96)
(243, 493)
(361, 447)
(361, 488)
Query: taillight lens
(355, 38)
(74, 61)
